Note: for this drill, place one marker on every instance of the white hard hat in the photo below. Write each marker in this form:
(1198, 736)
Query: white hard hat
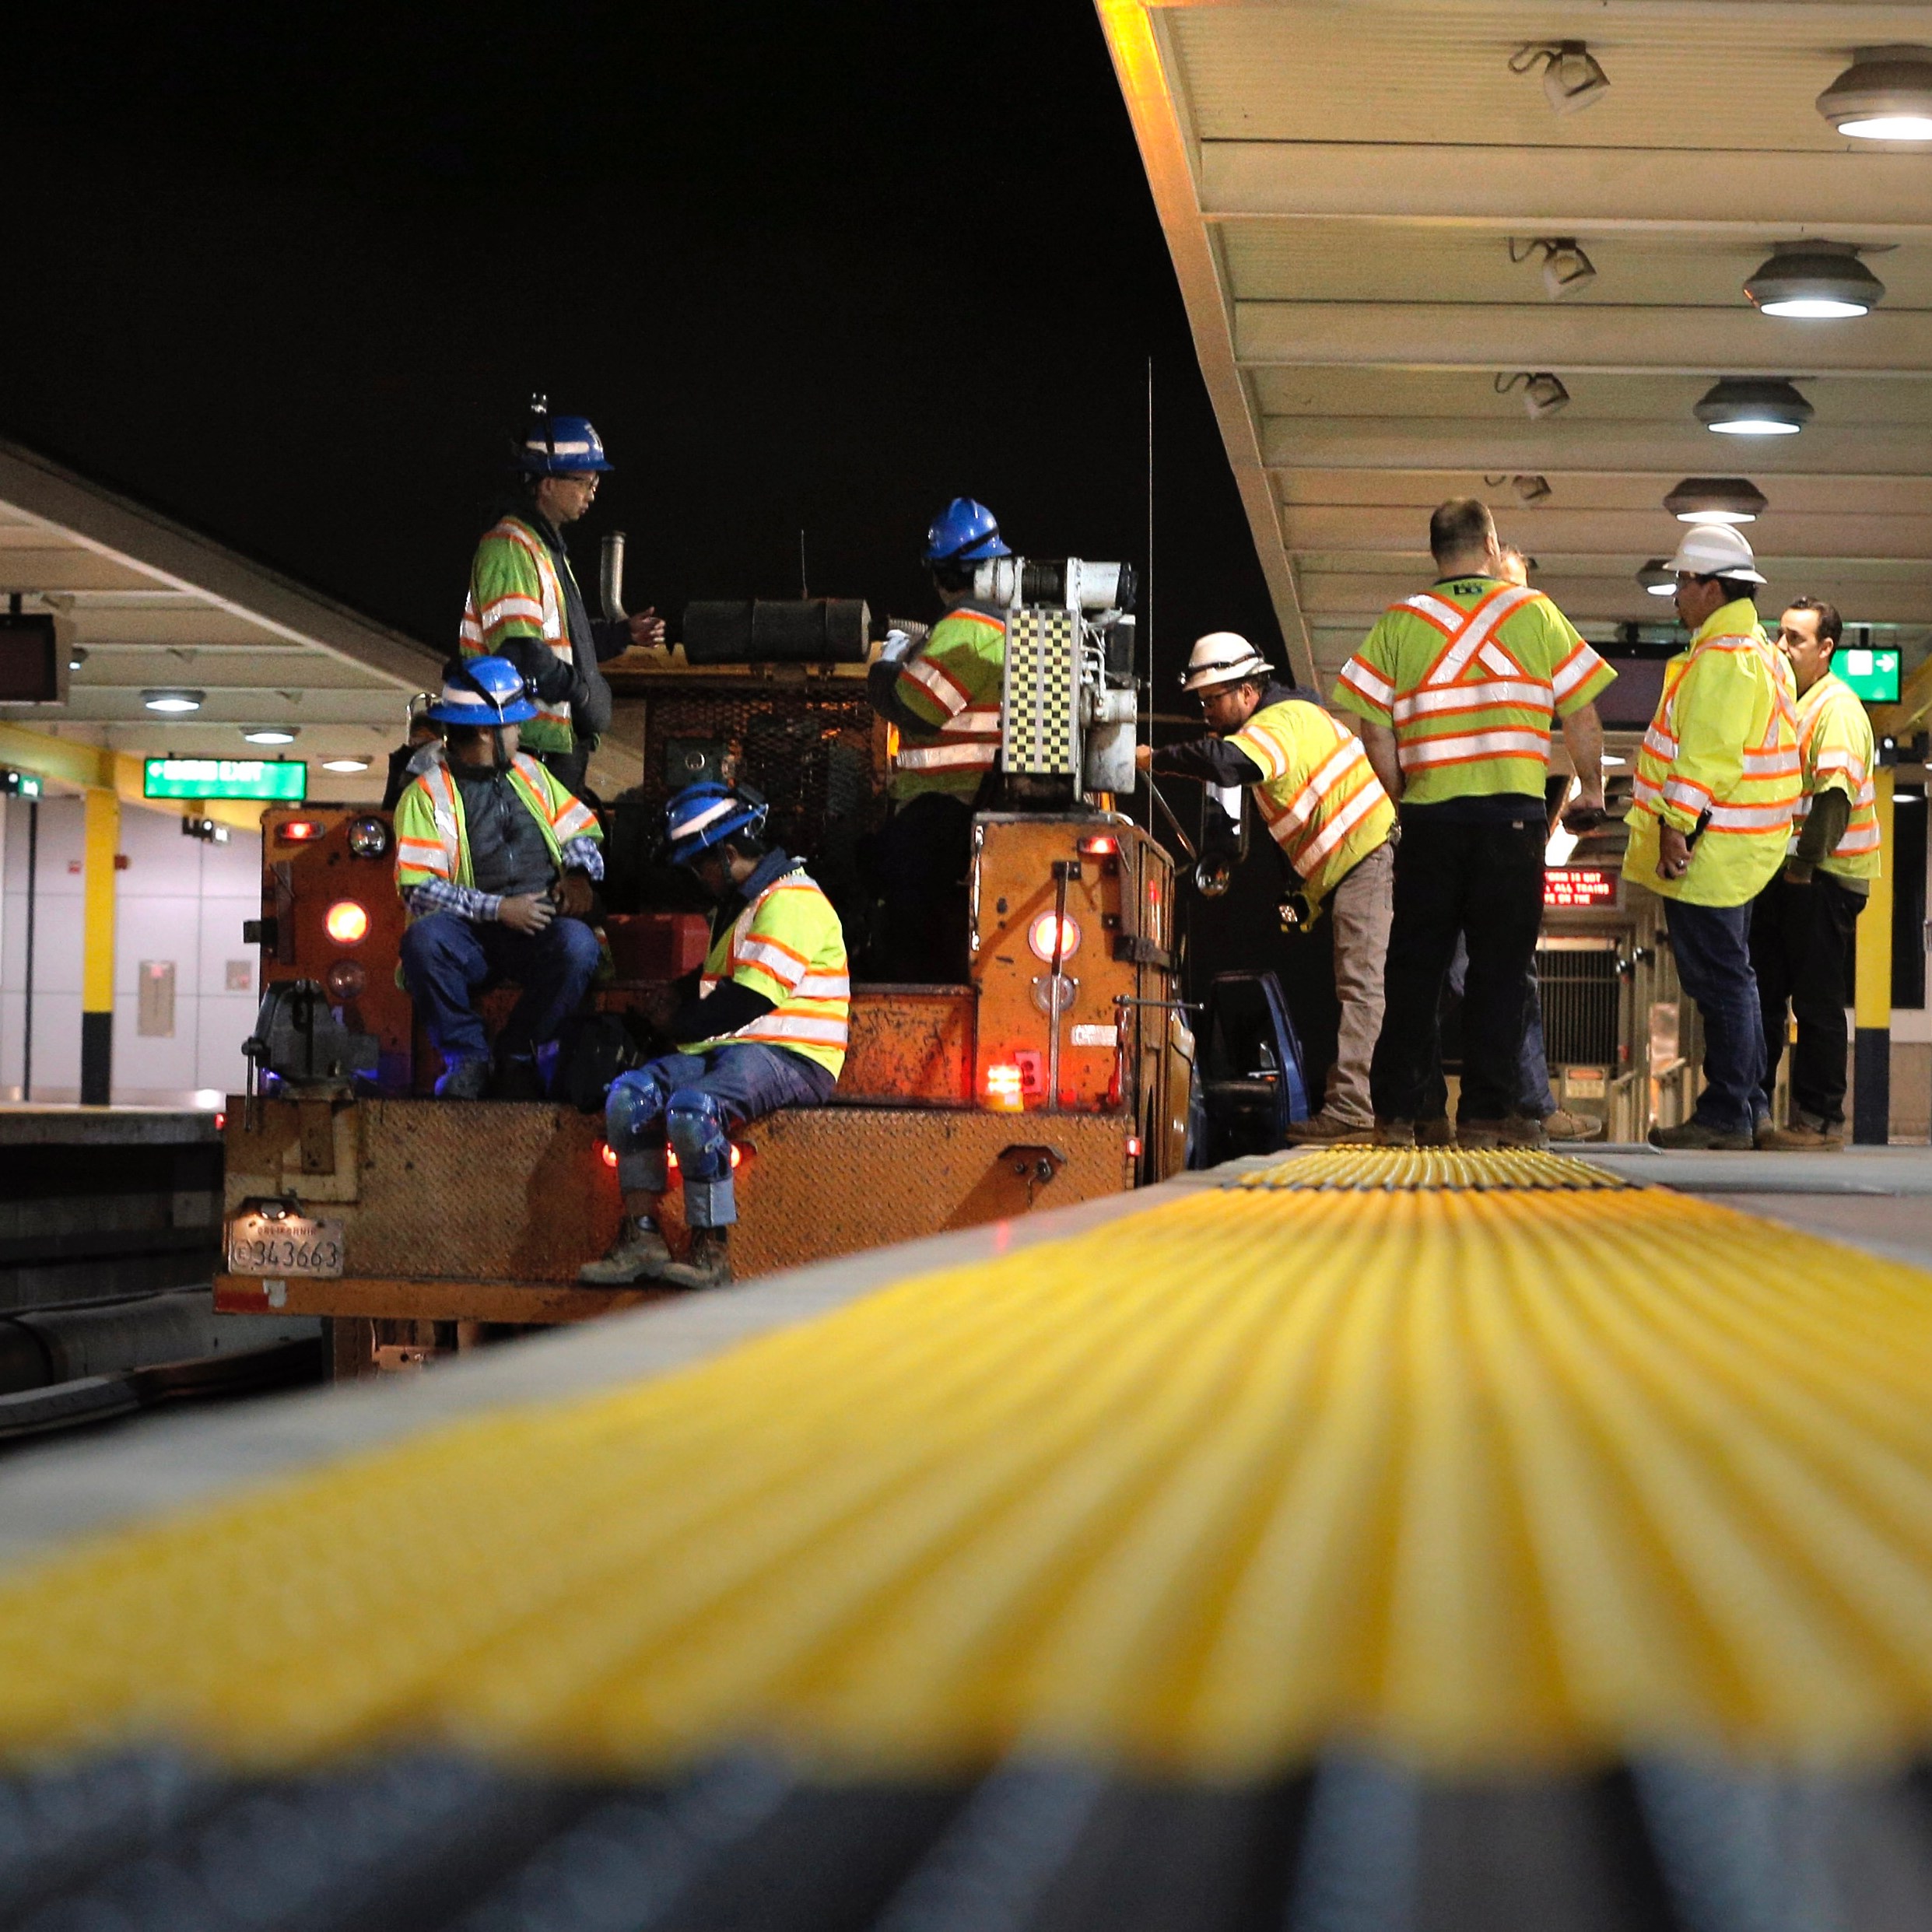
(1715, 549)
(1223, 657)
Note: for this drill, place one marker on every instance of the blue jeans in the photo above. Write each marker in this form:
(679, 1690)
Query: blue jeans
(446, 960)
(1712, 944)
(694, 1102)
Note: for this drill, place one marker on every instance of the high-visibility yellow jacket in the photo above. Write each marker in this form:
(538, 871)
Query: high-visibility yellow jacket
(1319, 796)
(787, 944)
(1721, 752)
(431, 839)
(1835, 754)
(515, 592)
(953, 682)
(1468, 674)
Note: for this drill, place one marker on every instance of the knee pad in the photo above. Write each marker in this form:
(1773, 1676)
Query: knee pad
(695, 1122)
(634, 1106)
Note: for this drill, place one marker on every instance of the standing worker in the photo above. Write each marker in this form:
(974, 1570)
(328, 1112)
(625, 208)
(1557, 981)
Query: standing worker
(767, 1030)
(1321, 799)
(1801, 923)
(524, 604)
(1456, 687)
(943, 696)
(1717, 784)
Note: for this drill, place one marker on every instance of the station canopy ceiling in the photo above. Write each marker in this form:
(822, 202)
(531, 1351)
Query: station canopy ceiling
(155, 608)
(1357, 195)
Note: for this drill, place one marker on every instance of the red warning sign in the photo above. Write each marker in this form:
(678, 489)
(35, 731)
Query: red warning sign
(1573, 886)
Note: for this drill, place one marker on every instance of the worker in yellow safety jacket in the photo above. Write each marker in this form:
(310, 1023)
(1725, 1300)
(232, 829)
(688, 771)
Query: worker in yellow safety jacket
(941, 694)
(495, 860)
(1802, 922)
(1717, 782)
(524, 603)
(766, 1029)
(1458, 687)
(1317, 793)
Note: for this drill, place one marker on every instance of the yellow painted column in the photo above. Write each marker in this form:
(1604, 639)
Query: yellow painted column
(101, 841)
(1872, 1053)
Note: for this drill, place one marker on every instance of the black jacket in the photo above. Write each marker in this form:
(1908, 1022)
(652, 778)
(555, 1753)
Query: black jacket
(1213, 761)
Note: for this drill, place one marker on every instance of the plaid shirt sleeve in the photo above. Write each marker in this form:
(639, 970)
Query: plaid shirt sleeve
(583, 855)
(463, 901)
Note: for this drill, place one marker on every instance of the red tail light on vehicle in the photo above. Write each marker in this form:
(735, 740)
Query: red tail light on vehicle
(345, 922)
(298, 831)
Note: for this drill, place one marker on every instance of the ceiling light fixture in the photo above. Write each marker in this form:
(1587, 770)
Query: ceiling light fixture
(344, 764)
(1530, 489)
(76, 656)
(1745, 405)
(1573, 76)
(1814, 281)
(1565, 268)
(1543, 394)
(173, 702)
(1884, 95)
(1655, 579)
(272, 734)
(1717, 499)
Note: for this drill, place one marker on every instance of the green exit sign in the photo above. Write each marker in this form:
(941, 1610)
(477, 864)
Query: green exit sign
(285, 780)
(18, 784)
(1873, 674)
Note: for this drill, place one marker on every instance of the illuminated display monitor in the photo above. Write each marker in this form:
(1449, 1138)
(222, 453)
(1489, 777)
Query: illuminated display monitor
(285, 780)
(1572, 886)
(1873, 674)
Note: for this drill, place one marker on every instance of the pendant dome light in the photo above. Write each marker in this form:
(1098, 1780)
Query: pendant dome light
(1743, 406)
(1814, 281)
(1656, 579)
(1717, 499)
(1884, 95)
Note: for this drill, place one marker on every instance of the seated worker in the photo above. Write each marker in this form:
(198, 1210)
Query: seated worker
(495, 860)
(1321, 799)
(767, 1030)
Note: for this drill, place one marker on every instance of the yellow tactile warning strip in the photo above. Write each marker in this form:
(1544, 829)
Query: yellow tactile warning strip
(1482, 1479)
(1401, 1169)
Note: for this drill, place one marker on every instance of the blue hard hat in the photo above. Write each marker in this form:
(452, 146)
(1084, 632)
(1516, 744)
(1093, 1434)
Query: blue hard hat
(706, 815)
(964, 532)
(485, 691)
(560, 446)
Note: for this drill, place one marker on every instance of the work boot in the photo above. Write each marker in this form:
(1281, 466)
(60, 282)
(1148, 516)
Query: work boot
(1324, 1130)
(1394, 1133)
(1436, 1132)
(1512, 1133)
(1563, 1125)
(463, 1080)
(708, 1265)
(515, 1079)
(1803, 1136)
(1699, 1137)
(638, 1254)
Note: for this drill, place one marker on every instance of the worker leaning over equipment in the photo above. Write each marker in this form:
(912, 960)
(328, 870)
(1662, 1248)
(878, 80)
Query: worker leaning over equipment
(767, 1030)
(1717, 782)
(942, 692)
(495, 860)
(1321, 798)
(1801, 923)
(524, 604)
(1456, 687)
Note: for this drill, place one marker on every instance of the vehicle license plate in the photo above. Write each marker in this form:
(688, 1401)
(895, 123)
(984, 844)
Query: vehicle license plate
(294, 1245)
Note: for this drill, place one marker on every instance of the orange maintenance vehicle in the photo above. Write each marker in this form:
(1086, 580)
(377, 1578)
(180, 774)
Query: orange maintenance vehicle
(1060, 1070)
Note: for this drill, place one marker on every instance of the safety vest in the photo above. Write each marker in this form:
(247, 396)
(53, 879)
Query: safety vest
(1721, 752)
(1835, 754)
(1468, 674)
(515, 592)
(431, 839)
(954, 682)
(1319, 794)
(787, 944)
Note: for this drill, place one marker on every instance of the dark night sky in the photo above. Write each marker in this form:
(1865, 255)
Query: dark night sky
(288, 274)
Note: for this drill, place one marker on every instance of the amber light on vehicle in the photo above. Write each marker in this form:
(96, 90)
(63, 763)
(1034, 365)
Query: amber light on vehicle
(671, 1158)
(1003, 1086)
(345, 922)
(1101, 845)
(1039, 936)
(607, 1153)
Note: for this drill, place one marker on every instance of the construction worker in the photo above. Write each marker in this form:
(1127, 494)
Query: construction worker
(1717, 781)
(1456, 688)
(524, 604)
(766, 1030)
(495, 860)
(1801, 923)
(942, 693)
(1318, 796)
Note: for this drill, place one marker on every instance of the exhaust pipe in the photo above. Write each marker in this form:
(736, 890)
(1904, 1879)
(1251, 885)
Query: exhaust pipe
(610, 576)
